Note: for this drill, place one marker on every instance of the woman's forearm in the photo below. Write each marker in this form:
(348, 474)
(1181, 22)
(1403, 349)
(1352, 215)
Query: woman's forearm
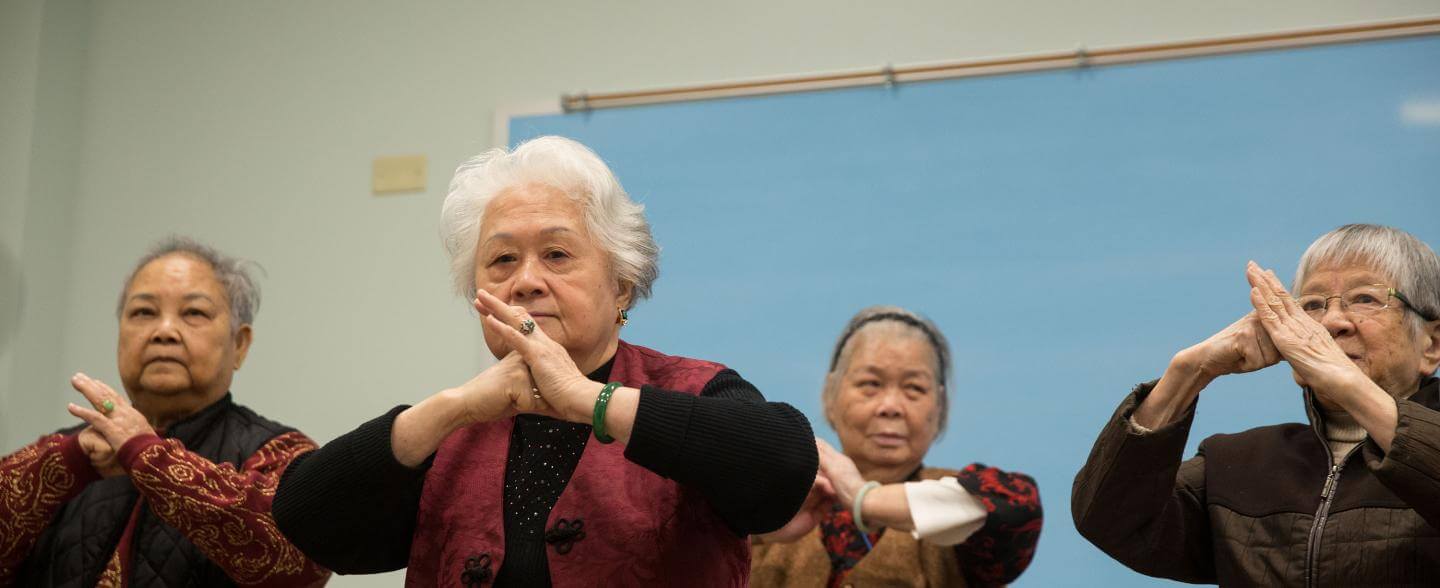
(420, 429)
(1373, 408)
(754, 460)
(888, 506)
(351, 505)
(1175, 392)
(34, 483)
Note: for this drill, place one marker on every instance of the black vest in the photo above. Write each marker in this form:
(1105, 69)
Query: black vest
(75, 548)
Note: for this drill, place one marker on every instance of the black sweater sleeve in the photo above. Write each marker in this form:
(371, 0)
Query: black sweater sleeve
(349, 505)
(754, 460)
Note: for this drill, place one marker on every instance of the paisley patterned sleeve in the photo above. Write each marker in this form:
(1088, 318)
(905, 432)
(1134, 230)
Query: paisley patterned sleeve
(225, 512)
(1002, 549)
(34, 482)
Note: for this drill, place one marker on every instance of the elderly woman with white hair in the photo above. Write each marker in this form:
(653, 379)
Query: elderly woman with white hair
(1350, 498)
(578, 458)
(880, 517)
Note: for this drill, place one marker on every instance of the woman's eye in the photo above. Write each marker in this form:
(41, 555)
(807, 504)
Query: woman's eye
(506, 258)
(1363, 299)
(918, 389)
(556, 254)
(142, 312)
(196, 313)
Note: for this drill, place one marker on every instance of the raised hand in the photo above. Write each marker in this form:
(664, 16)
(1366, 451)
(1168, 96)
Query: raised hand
(1242, 347)
(1304, 343)
(101, 454)
(844, 477)
(499, 392)
(112, 416)
(565, 392)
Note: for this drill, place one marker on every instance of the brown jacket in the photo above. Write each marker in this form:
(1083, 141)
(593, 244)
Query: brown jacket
(995, 555)
(1265, 507)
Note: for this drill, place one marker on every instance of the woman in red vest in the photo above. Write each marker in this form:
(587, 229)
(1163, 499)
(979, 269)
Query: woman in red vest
(578, 458)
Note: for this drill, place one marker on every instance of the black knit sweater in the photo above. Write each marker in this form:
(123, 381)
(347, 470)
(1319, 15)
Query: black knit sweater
(351, 506)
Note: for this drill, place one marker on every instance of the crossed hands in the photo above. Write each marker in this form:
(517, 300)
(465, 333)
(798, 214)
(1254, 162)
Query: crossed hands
(1277, 329)
(836, 483)
(536, 377)
(113, 421)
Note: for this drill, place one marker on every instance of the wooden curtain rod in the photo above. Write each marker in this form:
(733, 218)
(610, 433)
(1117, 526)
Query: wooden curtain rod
(984, 67)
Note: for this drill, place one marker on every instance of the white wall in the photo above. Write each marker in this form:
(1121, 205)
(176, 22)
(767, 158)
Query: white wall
(42, 49)
(252, 125)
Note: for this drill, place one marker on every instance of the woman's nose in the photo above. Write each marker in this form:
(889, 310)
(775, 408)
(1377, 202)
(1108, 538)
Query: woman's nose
(1336, 319)
(529, 282)
(891, 403)
(165, 330)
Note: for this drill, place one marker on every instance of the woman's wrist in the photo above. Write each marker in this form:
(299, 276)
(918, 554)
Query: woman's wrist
(1183, 380)
(1355, 393)
(620, 413)
(887, 506)
(418, 431)
(583, 393)
(450, 410)
(847, 489)
(1189, 364)
(1349, 388)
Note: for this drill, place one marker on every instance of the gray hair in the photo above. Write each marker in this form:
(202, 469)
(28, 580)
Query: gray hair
(617, 223)
(1408, 262)
(897, 322)
(241, 291)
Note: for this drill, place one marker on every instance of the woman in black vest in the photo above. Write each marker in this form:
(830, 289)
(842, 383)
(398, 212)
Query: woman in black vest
(171, 482)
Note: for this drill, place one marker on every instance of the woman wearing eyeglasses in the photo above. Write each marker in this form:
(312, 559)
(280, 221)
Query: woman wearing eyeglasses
(1351, 498)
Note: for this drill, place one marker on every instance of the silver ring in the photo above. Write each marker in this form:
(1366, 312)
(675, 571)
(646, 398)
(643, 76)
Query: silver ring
(527, 326)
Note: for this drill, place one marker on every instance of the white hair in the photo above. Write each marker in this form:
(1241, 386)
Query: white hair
(616, 222)
(1408, 262)
(241, 290)
(890, 321)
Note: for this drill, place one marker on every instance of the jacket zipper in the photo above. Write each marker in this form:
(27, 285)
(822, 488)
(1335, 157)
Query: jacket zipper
(1317, 527)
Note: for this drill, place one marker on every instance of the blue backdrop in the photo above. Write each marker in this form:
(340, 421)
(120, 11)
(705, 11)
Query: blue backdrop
(1069, 231)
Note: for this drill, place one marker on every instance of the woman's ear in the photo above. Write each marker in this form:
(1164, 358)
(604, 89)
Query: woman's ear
(827, 398)
(1430, 350)
(243, 337)
(625, 295)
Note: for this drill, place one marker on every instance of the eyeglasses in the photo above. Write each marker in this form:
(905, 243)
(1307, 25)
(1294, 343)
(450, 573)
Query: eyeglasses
(1360, 301)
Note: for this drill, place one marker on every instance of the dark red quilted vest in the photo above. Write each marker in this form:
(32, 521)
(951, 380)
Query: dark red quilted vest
(640, 529)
